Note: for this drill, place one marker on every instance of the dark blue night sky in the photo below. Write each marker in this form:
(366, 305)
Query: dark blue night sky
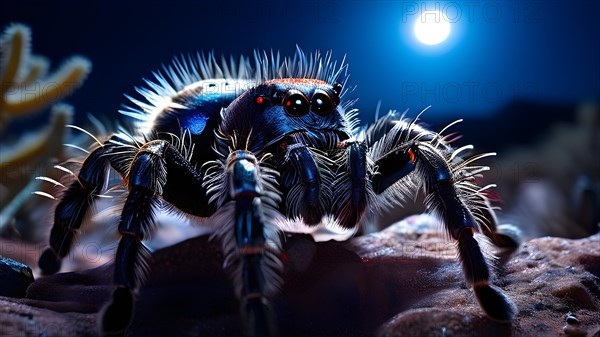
(498, 51)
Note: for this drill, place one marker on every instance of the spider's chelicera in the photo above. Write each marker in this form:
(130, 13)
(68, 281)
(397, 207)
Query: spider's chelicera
(256, 150)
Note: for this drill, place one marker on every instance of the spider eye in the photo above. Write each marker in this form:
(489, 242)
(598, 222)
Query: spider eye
(295, 103)
(321, 103)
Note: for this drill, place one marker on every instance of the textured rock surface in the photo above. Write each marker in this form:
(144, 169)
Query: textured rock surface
(15, 277)
(403, 281)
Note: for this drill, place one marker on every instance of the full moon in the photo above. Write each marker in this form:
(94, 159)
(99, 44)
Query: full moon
(432, 27)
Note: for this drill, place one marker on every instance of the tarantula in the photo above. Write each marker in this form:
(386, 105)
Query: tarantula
(257, 149)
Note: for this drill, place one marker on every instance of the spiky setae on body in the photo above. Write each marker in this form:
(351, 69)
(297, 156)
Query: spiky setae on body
(259, 150)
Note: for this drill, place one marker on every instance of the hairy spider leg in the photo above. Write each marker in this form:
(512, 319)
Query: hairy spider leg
(443, 200)
(503, 236)
(147, 176)
(249, 222)
(73, 206)
(461, 225)
(157, 170)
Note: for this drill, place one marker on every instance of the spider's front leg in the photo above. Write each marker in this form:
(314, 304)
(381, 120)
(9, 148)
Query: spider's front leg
(157, 170)
(147, 177)
(249, 220)
(444, 199)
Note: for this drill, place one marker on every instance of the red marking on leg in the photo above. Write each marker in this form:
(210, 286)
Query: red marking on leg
(412, 155)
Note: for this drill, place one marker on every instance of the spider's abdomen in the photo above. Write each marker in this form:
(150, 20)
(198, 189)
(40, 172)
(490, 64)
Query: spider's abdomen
(194, 116)
(197, 116)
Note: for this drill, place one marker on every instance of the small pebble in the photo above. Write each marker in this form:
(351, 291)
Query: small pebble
(15, 277)
(571, 319)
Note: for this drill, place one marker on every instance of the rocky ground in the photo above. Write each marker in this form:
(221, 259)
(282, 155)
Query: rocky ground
(403, 281)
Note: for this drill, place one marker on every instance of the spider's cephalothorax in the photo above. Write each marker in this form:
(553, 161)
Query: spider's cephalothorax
(263, 150)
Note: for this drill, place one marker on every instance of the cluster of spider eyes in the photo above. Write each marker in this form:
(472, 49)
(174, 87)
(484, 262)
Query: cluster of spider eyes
(296, 103)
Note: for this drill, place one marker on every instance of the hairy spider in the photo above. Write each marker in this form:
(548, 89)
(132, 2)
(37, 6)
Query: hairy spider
(258, 149)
